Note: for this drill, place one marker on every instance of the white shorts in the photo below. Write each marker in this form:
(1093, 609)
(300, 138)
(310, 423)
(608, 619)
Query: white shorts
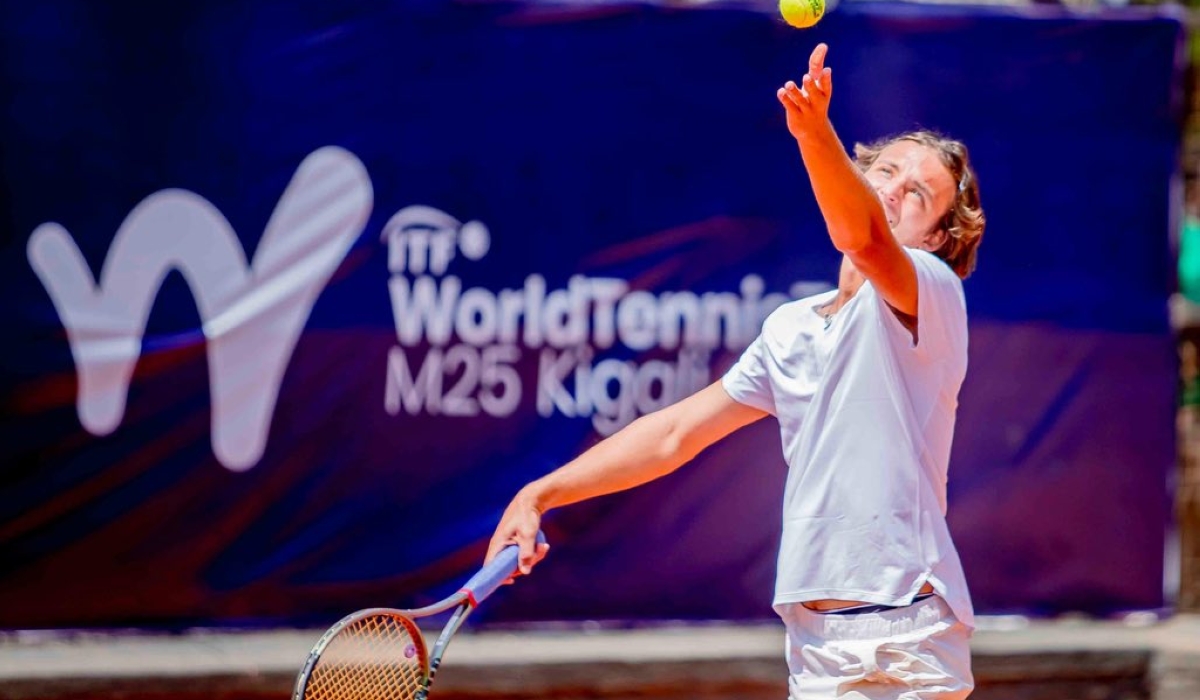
(920, 651)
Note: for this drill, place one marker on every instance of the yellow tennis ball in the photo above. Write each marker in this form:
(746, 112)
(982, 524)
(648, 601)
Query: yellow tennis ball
(802, 13)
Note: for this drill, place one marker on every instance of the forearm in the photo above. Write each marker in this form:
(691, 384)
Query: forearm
(852, 212)
(643, 451)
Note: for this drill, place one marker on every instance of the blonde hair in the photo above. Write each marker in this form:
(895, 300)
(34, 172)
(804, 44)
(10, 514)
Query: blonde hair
(964, 222)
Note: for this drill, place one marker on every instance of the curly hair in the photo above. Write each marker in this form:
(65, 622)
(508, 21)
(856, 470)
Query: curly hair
(964, 222)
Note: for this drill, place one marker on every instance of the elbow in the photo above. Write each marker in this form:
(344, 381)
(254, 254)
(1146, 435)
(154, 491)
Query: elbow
(851, 246)
(880, 230)
(853, 238)
(871, 237)
(667, 441)
(669, 448)
(858, 226)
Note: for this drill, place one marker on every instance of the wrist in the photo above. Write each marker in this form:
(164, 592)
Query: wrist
(534, 497)
(820, 136)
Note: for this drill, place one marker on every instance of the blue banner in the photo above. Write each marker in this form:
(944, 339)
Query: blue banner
(300, 294)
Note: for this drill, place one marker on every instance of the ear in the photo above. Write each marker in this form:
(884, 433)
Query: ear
(935, 239)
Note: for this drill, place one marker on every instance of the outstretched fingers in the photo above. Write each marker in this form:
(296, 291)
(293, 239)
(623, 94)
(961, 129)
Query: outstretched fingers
(816, 60)
(815, 88)
(794, 97)
(807, 103)
(820, 74)
(818, 89)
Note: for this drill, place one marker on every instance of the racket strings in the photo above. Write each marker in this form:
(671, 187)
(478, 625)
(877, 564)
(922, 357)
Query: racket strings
(381, 657)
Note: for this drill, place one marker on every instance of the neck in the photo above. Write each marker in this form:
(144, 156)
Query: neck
(849, 281)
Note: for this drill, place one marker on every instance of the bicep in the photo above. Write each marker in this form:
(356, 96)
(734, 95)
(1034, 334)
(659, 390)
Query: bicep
(707, 416)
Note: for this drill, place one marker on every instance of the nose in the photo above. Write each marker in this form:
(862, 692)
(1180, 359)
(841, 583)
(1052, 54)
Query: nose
(889, 191)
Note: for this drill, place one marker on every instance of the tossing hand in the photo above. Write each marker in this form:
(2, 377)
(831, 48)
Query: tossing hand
(807, 104)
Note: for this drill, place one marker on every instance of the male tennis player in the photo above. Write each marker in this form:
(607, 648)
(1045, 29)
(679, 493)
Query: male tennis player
(864, 381)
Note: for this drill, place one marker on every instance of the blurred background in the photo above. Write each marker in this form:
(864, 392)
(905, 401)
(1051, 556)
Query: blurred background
(298, 294)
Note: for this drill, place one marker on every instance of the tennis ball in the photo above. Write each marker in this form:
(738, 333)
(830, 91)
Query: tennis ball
(802, 13)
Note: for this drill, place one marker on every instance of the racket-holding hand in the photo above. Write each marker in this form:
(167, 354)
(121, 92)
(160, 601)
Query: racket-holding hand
(519, 525)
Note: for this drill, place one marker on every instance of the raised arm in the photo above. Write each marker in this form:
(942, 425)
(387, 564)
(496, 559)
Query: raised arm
(854, 215)
(648, 448)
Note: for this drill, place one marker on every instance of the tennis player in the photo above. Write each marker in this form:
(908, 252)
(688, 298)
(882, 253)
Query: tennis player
(864, 382)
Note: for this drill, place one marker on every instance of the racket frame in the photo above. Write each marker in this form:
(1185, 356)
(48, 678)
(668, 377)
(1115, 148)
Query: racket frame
(473, 592)
(319, 648)
(465, 603)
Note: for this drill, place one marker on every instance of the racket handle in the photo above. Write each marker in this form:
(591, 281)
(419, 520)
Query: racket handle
(495, 573)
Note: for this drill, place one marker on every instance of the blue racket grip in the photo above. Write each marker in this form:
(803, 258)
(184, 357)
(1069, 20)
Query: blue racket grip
(497, 571)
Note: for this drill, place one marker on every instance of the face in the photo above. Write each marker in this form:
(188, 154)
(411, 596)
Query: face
(916, 191)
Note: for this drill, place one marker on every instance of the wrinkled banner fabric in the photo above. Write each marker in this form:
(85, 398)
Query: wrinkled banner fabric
(298, 294)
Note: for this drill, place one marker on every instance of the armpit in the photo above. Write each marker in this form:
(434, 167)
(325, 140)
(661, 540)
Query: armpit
(909, 321)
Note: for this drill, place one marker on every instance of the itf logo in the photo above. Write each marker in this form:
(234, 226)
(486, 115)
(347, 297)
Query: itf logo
(252, 314)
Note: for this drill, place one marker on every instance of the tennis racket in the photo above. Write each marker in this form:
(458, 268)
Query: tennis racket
(380, 653)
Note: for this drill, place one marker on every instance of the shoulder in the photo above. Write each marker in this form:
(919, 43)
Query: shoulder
(934, 274)
(931, 265)
(790, 318)
(942, 313)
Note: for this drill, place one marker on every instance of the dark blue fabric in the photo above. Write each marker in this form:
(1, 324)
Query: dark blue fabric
(629, 141)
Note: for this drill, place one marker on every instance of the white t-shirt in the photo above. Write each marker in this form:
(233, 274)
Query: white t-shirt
(867, 417)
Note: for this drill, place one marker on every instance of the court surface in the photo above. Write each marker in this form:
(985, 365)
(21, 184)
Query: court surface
(1014, 658)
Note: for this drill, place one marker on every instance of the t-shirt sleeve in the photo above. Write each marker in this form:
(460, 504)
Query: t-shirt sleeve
(748, 381)
(941, 306)
(941, 309)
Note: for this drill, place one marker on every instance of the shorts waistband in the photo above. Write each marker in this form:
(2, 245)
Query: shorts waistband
(864, 609)
(891, 622)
